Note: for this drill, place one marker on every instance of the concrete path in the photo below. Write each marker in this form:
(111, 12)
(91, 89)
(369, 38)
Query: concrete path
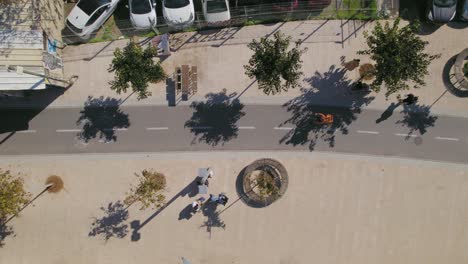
(338, 209)
(394, 132)
(221, 54)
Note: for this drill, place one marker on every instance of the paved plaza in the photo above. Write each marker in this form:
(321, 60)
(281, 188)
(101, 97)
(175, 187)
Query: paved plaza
(337, 209)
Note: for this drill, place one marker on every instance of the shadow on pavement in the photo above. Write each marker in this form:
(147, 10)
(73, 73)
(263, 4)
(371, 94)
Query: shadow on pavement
(417, 118)
(388, 112)
(190, 190)
(329, 88)
(17, 112)
(112, 224)
(212, 217)
(101, 117)
(5, 231)
(214, 121)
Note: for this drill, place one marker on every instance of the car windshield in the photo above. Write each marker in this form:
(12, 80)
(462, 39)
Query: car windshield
(445, 3)
(216, 6)
(141, 6)
(89, 6)
(176, 3)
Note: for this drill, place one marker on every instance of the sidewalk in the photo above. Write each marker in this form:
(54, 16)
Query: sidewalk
(340, 209)
(221, 54)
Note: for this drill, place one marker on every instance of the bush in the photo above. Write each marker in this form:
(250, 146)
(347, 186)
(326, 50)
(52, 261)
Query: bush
(12, 195)
(266, 184)
(366, 71)
(148, 191)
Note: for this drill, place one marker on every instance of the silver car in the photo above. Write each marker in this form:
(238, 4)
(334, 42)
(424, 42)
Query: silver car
(442, 11)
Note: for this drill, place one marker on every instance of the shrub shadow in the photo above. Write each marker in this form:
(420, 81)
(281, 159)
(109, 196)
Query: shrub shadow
(329, 88)
(214, 121)
(5, 231)
(112, 224)
(101, 117)
(417, 118)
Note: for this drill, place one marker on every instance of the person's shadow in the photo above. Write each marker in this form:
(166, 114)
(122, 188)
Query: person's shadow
(186, 213)
(387, 113)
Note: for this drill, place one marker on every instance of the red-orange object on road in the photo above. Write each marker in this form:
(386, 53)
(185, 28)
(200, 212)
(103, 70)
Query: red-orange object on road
(323, 119)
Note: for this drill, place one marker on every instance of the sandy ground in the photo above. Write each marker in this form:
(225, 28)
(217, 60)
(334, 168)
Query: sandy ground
(337, 209)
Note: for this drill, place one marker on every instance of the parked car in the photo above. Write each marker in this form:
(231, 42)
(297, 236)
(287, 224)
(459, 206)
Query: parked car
(88, 16)
(143, 13)
(442, 11)
(179, 13)
(216, 10)
(464, 11)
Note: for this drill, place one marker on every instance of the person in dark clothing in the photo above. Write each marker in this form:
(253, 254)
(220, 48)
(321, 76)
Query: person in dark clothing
(410, 99)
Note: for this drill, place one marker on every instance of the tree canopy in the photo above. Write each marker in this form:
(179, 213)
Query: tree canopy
(274, 66)
(399, 56)
(12, 195)
(134, 65)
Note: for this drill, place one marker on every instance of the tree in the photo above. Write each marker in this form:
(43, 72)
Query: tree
(399, 56)
(12, 195)
(135, 66)
(275, 68)
(148, 191)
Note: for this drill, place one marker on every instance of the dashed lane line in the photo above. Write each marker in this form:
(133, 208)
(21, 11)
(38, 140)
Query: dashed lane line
(247, 127)
(447, 138)
(115, 129)
(27, 131)
(68, 130)
(404, 135)
(368, 132)
(157, 128)
(282, 128)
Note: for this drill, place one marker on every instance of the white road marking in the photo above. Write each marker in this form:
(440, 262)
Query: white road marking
(202, 127)
(368, 132)
(283, 128)
(27, 131)
(447, 138)
(115, 129)
(405, 135)
(157, 128)
(247, 127)
(67, 130)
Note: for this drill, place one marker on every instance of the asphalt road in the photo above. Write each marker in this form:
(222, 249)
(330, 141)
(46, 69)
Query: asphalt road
(232, 127)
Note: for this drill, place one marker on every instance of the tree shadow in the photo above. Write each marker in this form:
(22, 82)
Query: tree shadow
(330, 88)
(214, 121)
(212, 217)
(190, 190)
(417, 118)
(101, 118)
(5, 231)
(112, 224)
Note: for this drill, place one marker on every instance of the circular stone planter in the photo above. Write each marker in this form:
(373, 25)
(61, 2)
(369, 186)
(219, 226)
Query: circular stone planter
(460, 61)
(247, 185)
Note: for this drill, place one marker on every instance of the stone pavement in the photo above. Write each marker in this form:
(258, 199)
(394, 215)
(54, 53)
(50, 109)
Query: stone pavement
(221, 54)
(337, 209)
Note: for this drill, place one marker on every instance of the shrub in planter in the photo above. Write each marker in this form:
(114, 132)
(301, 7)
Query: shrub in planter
(366, 71)
(266, 184)
(149, 190)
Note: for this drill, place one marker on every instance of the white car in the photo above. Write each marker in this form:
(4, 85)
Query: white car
(179, 13)
(88, 16)
(143, 13)
(216, 10)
